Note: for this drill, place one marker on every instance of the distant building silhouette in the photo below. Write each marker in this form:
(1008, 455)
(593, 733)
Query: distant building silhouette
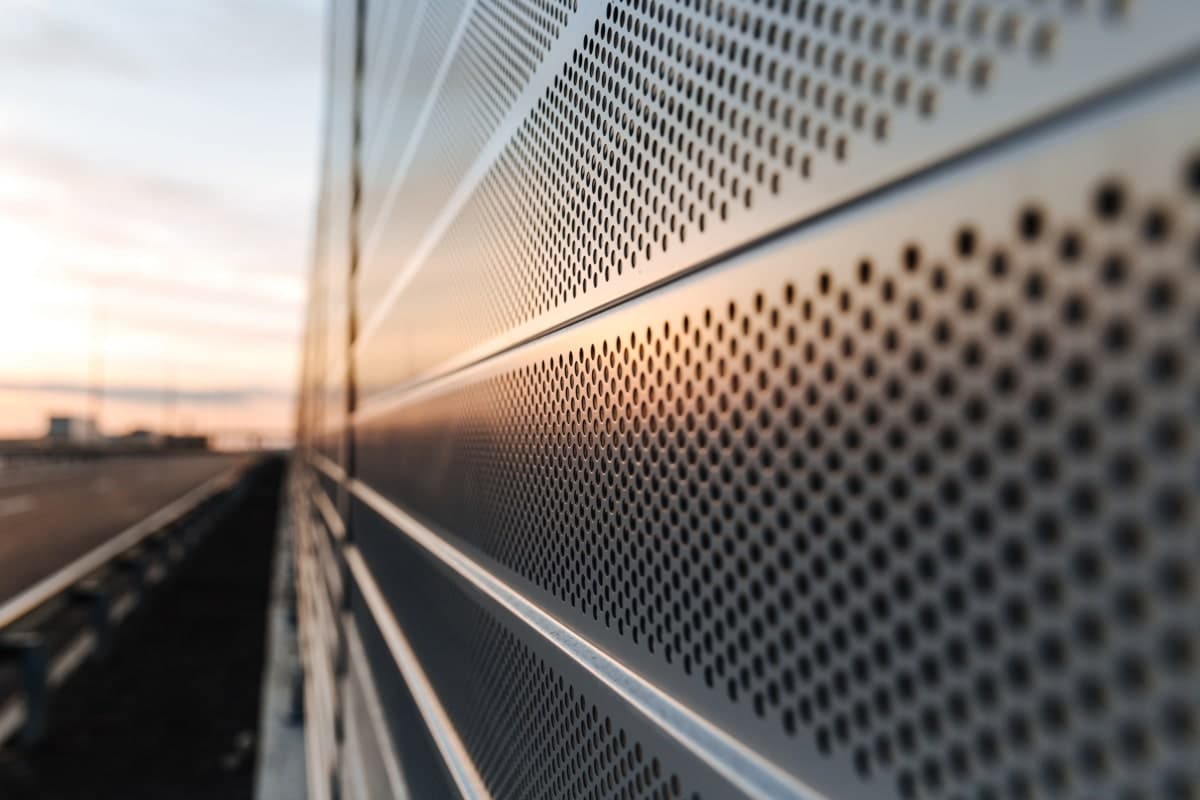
(72, 430)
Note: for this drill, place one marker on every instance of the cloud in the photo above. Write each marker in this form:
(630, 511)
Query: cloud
(124, 208)
(264, 295)
(154, 395)
(275, 38)
(107, 187)
(215, 327)
(46, 41)
(256, 40)
(35, 161)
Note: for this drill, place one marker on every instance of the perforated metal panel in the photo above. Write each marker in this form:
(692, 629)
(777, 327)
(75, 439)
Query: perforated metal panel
(910, 495)
(786, 398)
(674, 132)
(534, 726)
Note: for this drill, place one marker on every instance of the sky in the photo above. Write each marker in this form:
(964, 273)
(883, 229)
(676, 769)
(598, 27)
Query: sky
(158, 164)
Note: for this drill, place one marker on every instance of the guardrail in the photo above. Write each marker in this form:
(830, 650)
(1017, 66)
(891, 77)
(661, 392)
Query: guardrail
(52, 628)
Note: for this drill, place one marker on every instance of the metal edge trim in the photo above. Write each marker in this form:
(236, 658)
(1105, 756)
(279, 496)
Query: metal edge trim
(329, 514)
(71, 658)
(328, 467)
(437, 720)
(374, 706)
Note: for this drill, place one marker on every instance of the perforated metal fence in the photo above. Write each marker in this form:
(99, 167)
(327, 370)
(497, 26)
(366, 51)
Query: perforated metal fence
(777, 399)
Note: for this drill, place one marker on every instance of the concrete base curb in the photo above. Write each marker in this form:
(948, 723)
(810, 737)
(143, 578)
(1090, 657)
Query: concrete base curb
(281, 761)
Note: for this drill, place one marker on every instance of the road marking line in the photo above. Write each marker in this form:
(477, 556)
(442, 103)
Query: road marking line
(10, 506)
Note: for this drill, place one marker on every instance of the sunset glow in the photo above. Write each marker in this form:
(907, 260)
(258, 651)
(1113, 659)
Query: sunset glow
(175, 282)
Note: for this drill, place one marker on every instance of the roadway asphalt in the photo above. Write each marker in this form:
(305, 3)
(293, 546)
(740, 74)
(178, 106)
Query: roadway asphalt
(50, 515)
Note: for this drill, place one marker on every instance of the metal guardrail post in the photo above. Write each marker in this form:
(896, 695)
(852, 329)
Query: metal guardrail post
(99, 605)
(138, 566)
(170, 542)
(30, 650)
(297, 710)
(158, 554)
(293, 617)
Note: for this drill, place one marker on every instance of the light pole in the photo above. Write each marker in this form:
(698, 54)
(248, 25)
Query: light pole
(97, 362)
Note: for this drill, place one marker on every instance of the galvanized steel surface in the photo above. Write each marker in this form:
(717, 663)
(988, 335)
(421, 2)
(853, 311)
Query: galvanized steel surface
(769, 399)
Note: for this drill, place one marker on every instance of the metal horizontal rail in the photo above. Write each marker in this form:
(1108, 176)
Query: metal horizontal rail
(374, 710)
(51, 587)
(454, 753)
(327, 466)
(329, 513)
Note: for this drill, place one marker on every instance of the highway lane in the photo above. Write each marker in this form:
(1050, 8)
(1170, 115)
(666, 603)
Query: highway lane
(49, 517)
